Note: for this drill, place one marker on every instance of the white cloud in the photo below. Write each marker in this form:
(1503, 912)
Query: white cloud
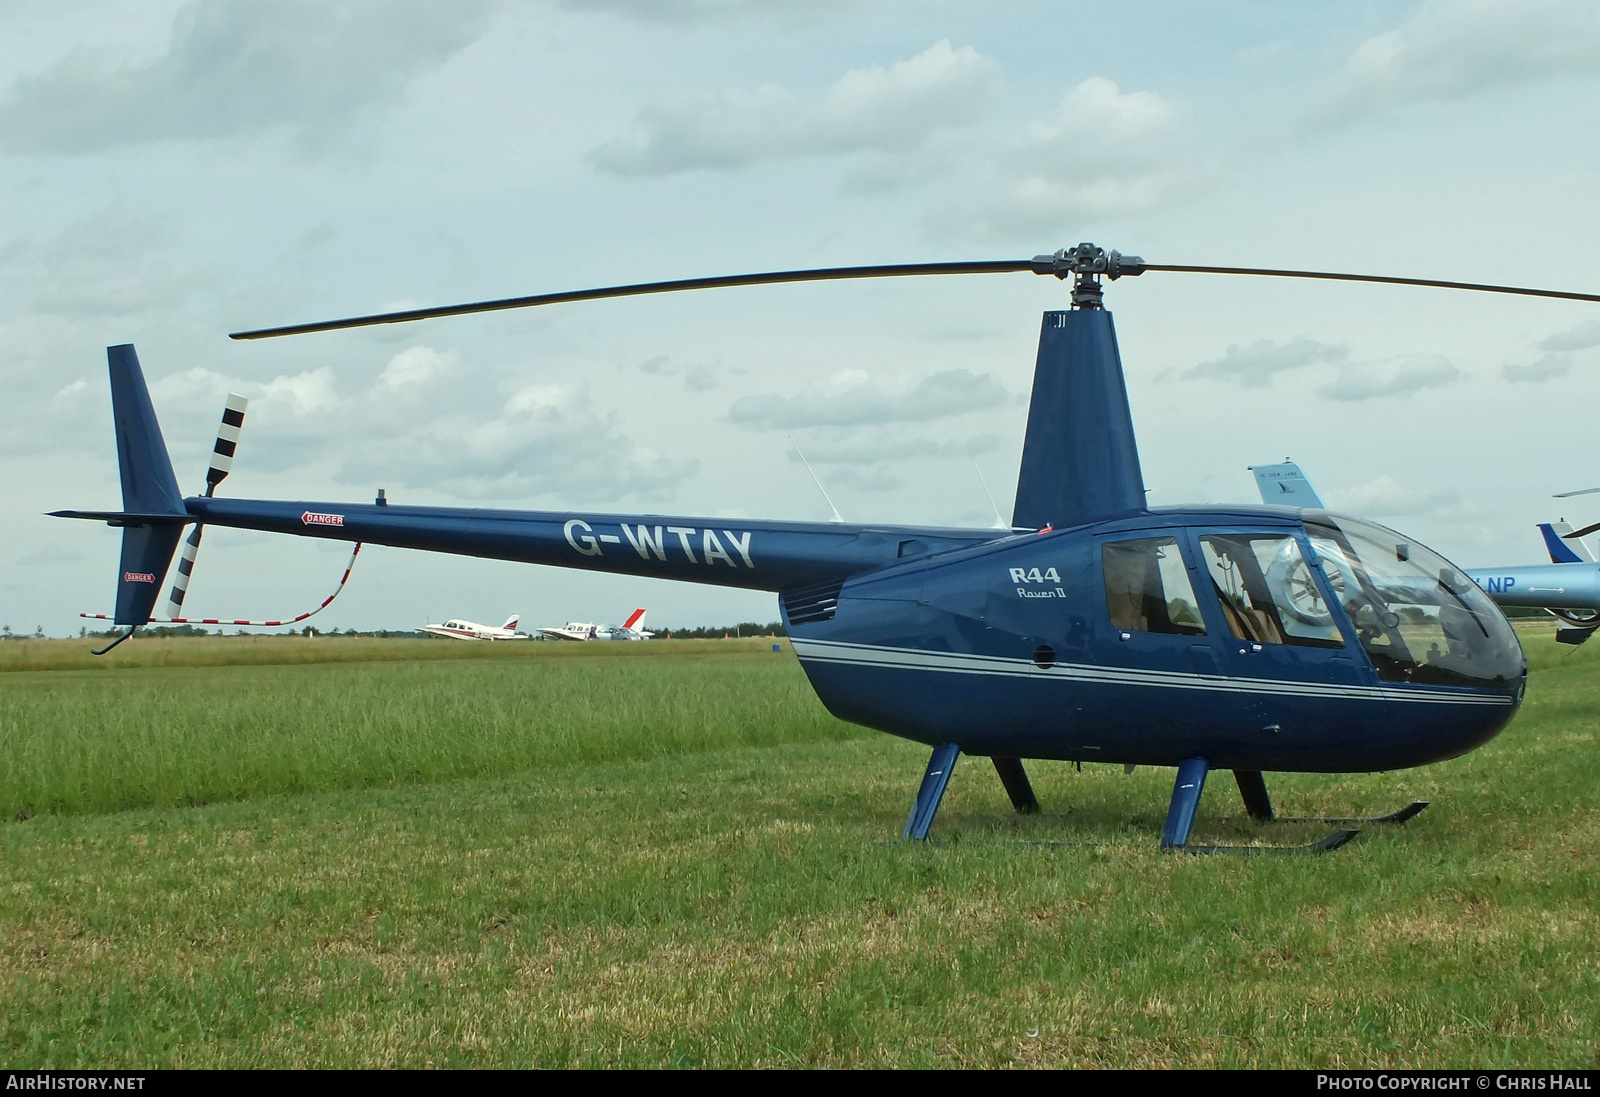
(682, 131)
(875, 110)
(68, 392)
(1104, 151)
(545, 439)
(696, 11)
(415, 366)
(1256, 365)
(241, 66)
(1386, 497)
(112, 262)
(855, 446)
(878, 479)
(1451, 49)
(303, 394)
(853, 398)
(898, 108)
(1366, 381)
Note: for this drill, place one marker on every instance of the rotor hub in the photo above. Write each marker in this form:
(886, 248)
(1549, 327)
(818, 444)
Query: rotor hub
(1086, 264)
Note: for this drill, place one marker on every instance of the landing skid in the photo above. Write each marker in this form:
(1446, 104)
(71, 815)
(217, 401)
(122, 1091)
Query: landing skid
(1331, 842)
(1395, 818)
(1186, 790)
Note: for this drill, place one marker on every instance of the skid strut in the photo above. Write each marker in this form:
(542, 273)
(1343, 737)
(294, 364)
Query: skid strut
(932, 790)
(1015, 779)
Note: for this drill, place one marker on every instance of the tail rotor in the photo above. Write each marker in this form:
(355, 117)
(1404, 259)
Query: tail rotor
(221, 465)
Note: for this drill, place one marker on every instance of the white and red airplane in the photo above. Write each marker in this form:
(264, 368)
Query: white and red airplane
(586, 630)
(471, 630)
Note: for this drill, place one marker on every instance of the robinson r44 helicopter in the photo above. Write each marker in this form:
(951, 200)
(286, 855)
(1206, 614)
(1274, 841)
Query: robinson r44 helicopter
(1095, 629)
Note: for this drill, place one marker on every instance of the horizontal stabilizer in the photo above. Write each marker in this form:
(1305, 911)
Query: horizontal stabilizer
(123, 517)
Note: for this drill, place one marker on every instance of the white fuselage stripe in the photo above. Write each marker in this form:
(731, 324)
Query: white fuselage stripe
(866, 655)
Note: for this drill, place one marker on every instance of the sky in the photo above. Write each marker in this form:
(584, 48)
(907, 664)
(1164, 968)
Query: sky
(172, 170)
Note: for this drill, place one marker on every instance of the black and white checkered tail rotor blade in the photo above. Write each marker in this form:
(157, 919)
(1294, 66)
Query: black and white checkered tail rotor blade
(221, 465)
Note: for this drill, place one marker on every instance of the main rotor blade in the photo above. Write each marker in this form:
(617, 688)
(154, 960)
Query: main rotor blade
(1570, 494)
(823, 274)
(1331, 276)
(1086, 261)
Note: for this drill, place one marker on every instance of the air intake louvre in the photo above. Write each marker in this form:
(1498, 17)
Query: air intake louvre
(806, 605)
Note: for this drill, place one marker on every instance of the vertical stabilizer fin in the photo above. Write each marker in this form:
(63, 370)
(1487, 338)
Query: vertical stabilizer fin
(148, 483)
(1563, 547)
(149, 489)
(1080, 462)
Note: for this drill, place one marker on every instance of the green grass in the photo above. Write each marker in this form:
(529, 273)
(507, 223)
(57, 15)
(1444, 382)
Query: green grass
(718, 887)
(105, 740)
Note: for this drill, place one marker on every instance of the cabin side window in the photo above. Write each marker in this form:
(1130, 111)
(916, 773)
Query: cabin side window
(1148, 589)
(1268, 592)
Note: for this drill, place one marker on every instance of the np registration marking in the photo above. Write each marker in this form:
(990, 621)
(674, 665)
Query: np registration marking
(660, 542)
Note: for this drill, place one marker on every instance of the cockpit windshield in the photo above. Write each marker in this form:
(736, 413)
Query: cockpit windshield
(1419, 618)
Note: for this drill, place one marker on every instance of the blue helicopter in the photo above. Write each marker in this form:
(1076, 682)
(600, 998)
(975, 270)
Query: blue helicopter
(1095, 629)
(1568, 587)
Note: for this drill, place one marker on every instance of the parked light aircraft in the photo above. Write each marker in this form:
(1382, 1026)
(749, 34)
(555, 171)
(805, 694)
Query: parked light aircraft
(1568, 588)
(588, 630)
(1095, 629)
(455, 629)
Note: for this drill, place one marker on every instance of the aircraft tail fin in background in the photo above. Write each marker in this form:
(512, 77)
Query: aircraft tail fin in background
(634, 620)
(512, 623)
(1284, 485)
(1562, 550)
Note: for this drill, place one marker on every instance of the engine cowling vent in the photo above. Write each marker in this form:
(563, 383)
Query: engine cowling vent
(809, 604)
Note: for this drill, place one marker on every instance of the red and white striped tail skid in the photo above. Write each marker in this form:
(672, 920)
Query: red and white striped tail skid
(326, 602)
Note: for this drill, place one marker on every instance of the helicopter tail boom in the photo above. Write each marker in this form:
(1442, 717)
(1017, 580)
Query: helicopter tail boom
(764, 555)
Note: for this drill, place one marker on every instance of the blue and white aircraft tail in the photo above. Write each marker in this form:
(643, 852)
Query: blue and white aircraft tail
(1285, 485)
(1568, 587)
(1566, 547)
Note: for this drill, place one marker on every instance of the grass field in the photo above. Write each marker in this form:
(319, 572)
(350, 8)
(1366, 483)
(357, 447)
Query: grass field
(243, 853)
